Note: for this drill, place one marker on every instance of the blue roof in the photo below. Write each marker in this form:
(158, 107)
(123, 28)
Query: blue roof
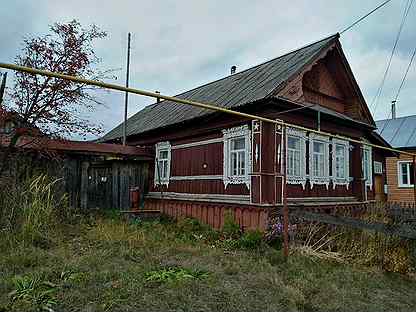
(399, 132)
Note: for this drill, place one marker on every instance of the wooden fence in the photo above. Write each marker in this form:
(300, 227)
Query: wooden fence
(389, 218)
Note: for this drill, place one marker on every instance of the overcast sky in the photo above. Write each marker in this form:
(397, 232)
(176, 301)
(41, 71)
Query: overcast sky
(178, 45)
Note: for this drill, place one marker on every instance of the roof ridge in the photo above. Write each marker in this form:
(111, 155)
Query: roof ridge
(336, 35)
(402, 117)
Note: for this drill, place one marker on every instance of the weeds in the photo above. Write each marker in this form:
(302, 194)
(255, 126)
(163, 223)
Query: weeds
(166, 275)
(338, 243)
(35, 292)
(30, 213)
(109, 265)
(230, 228)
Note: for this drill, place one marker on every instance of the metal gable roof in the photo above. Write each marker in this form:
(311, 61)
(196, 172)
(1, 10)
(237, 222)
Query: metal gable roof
(230, 92)
(399, 132)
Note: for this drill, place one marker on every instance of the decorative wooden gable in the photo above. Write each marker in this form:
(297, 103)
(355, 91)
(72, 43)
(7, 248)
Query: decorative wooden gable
(329, 82)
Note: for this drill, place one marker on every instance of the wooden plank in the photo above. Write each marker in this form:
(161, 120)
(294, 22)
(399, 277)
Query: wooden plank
(84, 185)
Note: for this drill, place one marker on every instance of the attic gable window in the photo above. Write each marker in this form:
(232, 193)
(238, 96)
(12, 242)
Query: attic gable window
(162, 163)
(296, 157)
(237, 155)
(340, 163)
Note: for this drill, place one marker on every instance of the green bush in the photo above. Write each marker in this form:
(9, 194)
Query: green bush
(251, 240)
(230, 228)
(193, 229)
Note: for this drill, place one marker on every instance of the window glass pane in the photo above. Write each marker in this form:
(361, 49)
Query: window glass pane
(237, 144)
(163, 154)
(297, 163)
(318, 147)
(366, 165)
(340, 161)
(411, 173)
(165, 169)
(404, 173)
(340, 150)
(233, 163)
(318, 159)
(293, 156)
(162, 169)
(241, 163)
(293, 143)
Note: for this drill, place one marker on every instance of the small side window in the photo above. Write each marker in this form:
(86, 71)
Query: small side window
(162, 163)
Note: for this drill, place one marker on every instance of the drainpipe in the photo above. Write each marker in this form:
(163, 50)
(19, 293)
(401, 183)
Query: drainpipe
(414, 179)
(319, 120)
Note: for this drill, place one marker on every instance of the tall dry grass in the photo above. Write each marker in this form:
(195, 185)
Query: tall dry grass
(31, 211)
(344, 244)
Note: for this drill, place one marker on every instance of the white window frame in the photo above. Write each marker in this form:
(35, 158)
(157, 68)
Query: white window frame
(369, 180)
(228, 136)
(301, 135)
(162, 146)
(378, 167)
(324, 178)
(346, 179)
(399, 173)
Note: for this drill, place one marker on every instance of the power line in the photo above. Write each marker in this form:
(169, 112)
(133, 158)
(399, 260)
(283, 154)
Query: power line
(405, 75)
(400, 88)
(363, 17)
(375, 102)
(401, 85)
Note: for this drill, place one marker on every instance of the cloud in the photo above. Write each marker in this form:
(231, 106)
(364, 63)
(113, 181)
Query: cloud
(178, 45)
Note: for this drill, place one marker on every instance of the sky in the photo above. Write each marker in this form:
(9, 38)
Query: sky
(179, 45)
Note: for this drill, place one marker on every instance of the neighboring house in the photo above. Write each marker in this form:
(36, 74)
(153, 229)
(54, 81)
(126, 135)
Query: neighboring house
(11, 121)
(401, 134)
(207, 162)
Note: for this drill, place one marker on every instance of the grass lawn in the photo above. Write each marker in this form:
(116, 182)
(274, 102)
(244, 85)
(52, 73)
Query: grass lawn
(111, 265)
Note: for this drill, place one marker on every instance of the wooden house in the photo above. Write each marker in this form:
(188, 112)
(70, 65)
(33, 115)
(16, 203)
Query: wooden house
(400, 133)
(208, 162)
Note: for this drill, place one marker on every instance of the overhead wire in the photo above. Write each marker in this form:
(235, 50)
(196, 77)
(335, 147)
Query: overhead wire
(400, 89)
(364, 17)
(374, 103)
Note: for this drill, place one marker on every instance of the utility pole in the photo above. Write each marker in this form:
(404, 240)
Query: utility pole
(126, 101)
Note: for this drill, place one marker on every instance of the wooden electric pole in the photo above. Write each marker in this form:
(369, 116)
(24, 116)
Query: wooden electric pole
(126, 100)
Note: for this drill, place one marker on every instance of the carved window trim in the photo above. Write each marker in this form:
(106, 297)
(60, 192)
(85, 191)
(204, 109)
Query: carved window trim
(297, 179)
(325, 178)
(228, 136)
(162, 146)
(346, 179)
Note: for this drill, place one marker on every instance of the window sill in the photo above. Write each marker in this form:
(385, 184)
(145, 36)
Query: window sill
(405, 186)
